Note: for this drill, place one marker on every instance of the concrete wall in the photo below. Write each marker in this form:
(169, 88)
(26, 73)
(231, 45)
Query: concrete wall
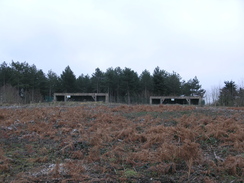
(184, 100)
(81, 97)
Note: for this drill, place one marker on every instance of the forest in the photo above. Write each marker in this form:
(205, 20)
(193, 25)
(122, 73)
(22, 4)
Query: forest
(24, 83)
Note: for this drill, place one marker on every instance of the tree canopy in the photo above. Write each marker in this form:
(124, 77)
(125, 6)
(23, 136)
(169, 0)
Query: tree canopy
(123, 85)
(228, 94)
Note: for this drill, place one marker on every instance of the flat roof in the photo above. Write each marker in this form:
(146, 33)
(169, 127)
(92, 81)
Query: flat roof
(82, 94)
(178, 97)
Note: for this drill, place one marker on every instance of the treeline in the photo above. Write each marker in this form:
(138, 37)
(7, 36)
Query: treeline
(229, 95)
(24, 83)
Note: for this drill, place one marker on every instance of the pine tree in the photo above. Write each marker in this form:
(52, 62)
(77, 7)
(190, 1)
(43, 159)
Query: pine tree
(68, 80)
(228, 94)
(192, 88)
(173, 84)
(130, 83)
(146, 84)
(52, 82)
(98, 81)
(159, 82)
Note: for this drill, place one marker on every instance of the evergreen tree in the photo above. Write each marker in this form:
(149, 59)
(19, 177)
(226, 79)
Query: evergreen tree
(6, 74)
(52, 82)
(111, 83)
(146, 84)
(98, 81)
(159, 81)
(192, 88)
(80, 84)
(228, 94)
(173, 84)
(68, 80)
(21, 80)
(84, 84)
(122, 85)
(185, 88)
(240, 98)
(8, 93)
(30, 81)
(130, 83)
(118, 80)
(41, 82)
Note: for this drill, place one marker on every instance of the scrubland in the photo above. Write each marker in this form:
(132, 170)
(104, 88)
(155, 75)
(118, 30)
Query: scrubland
(121, 143)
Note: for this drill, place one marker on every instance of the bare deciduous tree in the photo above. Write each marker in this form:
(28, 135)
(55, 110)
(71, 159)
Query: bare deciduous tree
(215, 91)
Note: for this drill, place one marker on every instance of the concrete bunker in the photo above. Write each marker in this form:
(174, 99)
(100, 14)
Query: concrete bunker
(183, 100)
(81, 97)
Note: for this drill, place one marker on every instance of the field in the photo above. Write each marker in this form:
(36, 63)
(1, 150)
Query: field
(92, 142)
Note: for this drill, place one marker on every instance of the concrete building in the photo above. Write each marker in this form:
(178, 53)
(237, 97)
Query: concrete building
(83, 97)
(184, 100)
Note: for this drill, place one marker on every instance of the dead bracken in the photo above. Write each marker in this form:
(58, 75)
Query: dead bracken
(121, 143)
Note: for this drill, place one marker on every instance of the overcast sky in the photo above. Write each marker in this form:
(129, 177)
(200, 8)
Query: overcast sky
(203, 38)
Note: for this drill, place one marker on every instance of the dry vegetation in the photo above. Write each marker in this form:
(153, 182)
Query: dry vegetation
(121, 143)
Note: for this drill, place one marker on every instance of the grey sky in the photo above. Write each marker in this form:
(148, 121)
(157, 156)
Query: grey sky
(203, 38)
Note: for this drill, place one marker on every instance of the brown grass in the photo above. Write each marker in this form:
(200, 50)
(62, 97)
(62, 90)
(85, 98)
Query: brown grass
(98, 143)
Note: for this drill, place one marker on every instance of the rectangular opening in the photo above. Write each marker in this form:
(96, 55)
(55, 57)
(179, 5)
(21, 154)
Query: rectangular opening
(60, 97)
(175, 101)
(82, 98)
(194, 101)
(155, 101)
(101, 98)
